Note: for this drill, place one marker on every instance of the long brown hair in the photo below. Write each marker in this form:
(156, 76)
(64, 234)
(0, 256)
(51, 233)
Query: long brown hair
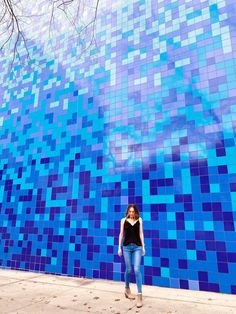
(136, 211)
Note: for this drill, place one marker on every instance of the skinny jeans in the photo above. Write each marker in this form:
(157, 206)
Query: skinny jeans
(133, 252)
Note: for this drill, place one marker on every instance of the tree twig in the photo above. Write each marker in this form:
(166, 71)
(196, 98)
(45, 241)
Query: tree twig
(13, 19)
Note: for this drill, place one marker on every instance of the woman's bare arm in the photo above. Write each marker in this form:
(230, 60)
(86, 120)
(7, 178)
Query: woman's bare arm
(121, 236)
(141, 234)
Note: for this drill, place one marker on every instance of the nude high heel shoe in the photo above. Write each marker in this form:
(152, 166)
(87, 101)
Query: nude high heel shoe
(140, 300)
(128, 294)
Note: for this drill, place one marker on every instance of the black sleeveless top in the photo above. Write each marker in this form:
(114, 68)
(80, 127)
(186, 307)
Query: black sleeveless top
(131, 233)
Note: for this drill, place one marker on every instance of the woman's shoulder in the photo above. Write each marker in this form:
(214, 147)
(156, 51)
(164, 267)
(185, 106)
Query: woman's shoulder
(140, 219)
(122, 220)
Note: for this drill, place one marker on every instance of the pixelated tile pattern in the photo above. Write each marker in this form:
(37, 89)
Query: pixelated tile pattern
(146, 116)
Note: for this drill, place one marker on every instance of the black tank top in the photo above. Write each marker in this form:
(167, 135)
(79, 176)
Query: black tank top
(131, 233)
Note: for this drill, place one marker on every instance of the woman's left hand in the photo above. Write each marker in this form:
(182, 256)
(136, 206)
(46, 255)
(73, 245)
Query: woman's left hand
(143, 251)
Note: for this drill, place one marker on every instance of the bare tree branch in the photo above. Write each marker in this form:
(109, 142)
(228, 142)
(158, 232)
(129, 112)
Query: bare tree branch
(10, 22)
(13, 20)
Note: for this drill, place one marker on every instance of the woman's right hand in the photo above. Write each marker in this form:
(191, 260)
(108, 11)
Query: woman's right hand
(119, 252)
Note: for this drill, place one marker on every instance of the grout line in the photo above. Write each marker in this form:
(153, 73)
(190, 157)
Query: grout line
(35, 302)
(130, 309)
(55, 284)
(16, 281)
(149, 297)
(9, 283)
(163, 298)
(104, 290)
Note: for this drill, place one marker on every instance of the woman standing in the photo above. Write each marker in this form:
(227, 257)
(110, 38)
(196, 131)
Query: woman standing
(131, 231)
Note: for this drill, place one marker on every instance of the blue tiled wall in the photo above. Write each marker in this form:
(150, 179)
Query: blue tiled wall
(146, 116)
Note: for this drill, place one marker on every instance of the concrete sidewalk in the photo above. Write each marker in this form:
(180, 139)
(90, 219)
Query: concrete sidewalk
(27, 292)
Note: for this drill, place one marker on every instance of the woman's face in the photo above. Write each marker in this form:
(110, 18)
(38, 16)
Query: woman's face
(131, 212)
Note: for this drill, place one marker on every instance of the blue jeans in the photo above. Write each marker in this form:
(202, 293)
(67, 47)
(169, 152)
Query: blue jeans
(129, 251)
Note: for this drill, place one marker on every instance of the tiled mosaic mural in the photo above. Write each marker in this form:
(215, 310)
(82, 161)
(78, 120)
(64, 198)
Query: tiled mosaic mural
(146, 116)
